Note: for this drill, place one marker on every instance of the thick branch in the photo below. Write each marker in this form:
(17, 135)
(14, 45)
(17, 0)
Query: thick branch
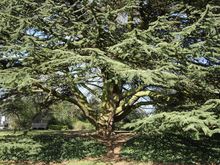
(132, 92)
(126, 107)
(139, 104)
(78, 100)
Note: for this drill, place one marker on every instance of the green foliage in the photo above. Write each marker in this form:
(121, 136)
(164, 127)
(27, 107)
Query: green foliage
(58, 127)
(18, 148)
(64, 113)
(173, 149)
(20, 111)
(47, 148)
(191, 107)
(110, 58)
(166, 148)
(195, 124)
(67, 116)
(82, 125)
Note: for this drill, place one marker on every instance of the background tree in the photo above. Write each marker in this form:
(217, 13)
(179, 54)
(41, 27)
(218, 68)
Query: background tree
(66, 115)
(21, 109)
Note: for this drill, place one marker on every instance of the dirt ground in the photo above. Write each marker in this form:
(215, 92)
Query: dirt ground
(80, 162)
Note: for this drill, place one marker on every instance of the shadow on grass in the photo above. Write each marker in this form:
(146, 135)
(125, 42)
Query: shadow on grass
(159, 149)
(48, 148)
(173, 149)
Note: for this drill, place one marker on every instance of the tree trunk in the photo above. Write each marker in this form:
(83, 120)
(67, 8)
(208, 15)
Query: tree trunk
(116, 142)
(113, 141)
(113, 149)
(107, 137)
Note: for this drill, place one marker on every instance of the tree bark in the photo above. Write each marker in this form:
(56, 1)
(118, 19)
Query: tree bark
(113, 141)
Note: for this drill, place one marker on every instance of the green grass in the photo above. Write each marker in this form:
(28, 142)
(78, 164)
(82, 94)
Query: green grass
(46, 146)
(6, 133)
(173, 149)
(33, 132)
(59, 146)
(79, 162)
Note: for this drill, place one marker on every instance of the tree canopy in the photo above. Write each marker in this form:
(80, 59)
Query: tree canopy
(112, 57)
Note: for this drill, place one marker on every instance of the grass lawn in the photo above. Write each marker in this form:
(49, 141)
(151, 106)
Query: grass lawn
(39, 132)
(81, 162)
(84, 161)
(67, 148)
(32, 132)
(4, 133)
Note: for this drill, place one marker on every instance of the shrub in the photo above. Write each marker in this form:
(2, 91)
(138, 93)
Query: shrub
(82, 125)
(58, 127)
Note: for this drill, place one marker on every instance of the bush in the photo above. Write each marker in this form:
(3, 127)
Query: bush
(55, 124)
(58, 127)
(82, 125)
